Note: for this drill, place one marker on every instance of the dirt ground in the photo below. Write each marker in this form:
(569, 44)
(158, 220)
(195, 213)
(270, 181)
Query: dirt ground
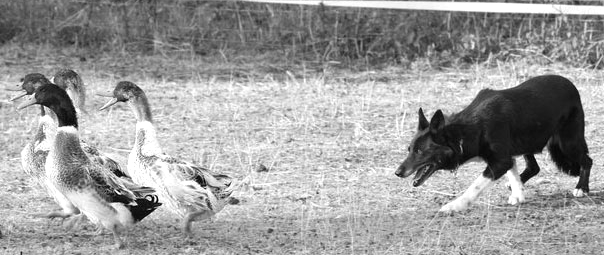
(331, 141)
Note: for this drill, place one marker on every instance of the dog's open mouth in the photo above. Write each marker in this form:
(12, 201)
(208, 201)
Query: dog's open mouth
(423, 173)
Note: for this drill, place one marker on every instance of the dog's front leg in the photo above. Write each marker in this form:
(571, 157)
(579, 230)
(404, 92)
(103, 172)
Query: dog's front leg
(494, 171)
(515, 184)
(461, 203)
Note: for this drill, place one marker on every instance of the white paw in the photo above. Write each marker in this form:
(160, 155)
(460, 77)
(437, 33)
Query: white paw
(578, 193)
(516, 199)
(454, 206)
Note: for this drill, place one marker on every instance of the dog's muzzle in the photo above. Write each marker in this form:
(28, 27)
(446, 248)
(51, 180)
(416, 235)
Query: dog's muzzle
(403, 171)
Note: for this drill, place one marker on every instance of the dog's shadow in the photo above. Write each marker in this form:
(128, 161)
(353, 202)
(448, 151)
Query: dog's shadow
(560, 200)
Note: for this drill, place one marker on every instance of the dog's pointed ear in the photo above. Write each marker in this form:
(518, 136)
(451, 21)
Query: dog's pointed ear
(437, 122)
(423, 122)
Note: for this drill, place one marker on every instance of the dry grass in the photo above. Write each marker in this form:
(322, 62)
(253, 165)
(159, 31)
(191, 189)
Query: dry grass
(331, 141)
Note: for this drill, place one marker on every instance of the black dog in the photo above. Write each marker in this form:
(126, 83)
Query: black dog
(501, 124)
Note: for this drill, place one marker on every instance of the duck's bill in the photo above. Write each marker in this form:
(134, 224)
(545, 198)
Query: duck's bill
(29, 101)
(18, 96)
(17, 87)
(108, 93)
(111, 102)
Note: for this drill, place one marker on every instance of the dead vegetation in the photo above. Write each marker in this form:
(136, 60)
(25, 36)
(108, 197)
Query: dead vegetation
(312, 33)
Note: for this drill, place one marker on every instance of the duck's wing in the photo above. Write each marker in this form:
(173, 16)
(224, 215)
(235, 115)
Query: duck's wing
(109, 186)
(99, 191)
(108, 162)
(203, 176)
(137, 190)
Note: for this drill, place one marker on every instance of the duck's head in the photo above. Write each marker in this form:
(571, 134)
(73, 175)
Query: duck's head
(28, 85)
(71, 82)
(47, 95)
(56, 99)
(124, 91)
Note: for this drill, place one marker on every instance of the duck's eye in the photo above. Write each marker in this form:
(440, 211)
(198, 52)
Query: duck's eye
(409, 148)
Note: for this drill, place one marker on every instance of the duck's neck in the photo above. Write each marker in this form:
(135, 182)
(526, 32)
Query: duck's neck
(66, 145)
(50, 114)
(146, 143)
(141, 109)
(78, 99)
(66, 114)
(67, 140)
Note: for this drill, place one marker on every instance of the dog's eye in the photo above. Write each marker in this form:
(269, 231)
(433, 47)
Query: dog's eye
(418, 151)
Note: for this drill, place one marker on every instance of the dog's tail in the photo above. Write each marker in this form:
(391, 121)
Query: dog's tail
(566, 164)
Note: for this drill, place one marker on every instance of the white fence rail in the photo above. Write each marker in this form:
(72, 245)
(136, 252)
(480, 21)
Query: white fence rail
(526, 8)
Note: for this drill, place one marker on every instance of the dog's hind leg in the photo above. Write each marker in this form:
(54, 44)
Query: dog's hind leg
(532, 168)
(515, 184)
(569, 151)
(581, 155)
(583, 185)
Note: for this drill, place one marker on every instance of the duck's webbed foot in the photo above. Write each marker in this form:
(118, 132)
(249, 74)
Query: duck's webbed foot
(193, 216)
(74, 221)
(99, 230)
(119, 244)
(53, 215)
(187, 221)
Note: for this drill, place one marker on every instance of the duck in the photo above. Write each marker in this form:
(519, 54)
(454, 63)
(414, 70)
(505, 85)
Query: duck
(70, 81)
(98, 194)
(33, 155)
(35, 152)
(190, 191)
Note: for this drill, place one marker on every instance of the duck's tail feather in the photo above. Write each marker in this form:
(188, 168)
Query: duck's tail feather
(192, 193)
(207, 178)
(144, 206)
(238, 184)
(223, 179)
(234, 185)
(224, 196)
